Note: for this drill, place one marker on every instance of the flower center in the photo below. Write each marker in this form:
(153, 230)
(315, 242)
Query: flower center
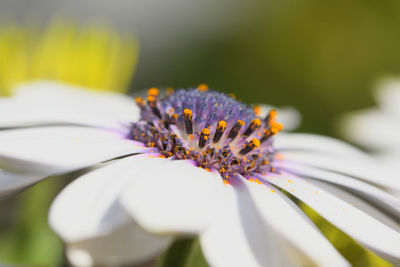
(211, 128)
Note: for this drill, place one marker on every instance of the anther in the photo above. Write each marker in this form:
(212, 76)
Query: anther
(140, 102)
(257, 110)
(205, 134)
(153, 105)
(235, 129)
(274, 128)
(253, 144)
(221, 127)
(202, 87)
(153, 92)
(210, 151)
(271, 116)
(187, 113)
(254, 124)
(166, 120)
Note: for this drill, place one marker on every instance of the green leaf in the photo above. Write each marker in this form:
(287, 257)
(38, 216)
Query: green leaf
(185, 252)
(26, 238)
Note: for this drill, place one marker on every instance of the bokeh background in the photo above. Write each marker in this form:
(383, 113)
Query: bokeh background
(321, 57)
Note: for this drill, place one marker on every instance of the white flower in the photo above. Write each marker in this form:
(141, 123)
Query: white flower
(377, 128)
(136, 197)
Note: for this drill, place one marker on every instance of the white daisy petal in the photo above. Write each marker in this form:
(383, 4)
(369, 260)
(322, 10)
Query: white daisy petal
(174, 197)
(373, 194)
(361, 168)
(237, 237)
(54, 150)
(89, 207)
(388, 96)
(315, 143)
(126, 245)
(251, 232)
(88, 216)
(13, 182)
(367, 230)
(372, 128)
(390, 219)
(42, 103)
(280, 214)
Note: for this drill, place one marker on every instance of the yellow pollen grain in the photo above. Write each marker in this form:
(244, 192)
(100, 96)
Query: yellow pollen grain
(272, 114)
(187, 112)
(153, 92)
(276, 127)
(151, 98)
(205, 131)
(256, 122)
(202, 87)
(222, 124)
(139, 101)
(257, 110)
(255, 142)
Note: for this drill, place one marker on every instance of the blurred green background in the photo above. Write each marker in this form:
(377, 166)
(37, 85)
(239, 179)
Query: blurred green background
(321, 57)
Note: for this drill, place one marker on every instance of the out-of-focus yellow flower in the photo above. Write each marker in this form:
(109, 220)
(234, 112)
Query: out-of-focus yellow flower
(91, 56)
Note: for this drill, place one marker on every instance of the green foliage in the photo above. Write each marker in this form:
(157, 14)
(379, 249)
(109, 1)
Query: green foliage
(26, 238)
(184, 252)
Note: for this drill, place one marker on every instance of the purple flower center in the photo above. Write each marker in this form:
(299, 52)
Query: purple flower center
(211, 128)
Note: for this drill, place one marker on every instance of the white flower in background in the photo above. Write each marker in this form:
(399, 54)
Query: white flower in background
(377, 128)
(194, 163)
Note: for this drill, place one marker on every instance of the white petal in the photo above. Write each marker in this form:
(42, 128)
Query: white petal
(364, 228)
(372, 128)
(280, 216)
(174, 197)
(241, 237)
(373, 194)
(13, 182)
(127, 245)
(359, 167)
(236, 238)
(89, 207)
(362, 204)
(388, 96)
(51, 102)
(53, 150)
(315, 143)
